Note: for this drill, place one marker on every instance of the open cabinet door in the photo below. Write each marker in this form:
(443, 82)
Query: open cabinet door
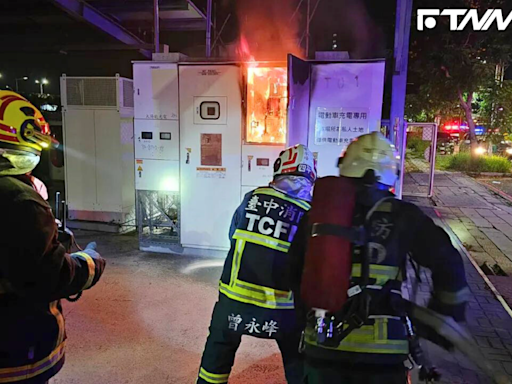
(345, 103)
(299, 88)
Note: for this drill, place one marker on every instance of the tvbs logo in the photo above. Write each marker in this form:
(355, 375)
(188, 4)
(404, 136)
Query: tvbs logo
(460, 18)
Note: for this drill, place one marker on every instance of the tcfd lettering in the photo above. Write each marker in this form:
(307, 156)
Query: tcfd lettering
(269, 227)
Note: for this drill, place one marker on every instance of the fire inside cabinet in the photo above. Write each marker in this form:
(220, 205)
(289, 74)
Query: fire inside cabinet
(205, 134)
(98, 145)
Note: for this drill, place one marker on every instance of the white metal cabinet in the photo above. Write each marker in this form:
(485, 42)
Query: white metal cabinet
(156, 90)
(258, 164)
(210, 168)
(80, 152)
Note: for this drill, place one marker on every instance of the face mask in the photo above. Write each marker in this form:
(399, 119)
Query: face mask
(19, 162)
(294, 186)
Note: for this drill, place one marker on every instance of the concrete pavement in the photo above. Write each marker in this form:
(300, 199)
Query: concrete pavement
(479, 223)
(147, 320)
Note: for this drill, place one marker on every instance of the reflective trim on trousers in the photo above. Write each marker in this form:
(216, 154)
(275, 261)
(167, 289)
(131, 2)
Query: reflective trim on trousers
(12, 375)
(213, 378)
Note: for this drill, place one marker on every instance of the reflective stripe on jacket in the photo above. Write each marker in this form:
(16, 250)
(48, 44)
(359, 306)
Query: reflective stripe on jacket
(396, 229)
(384, 331)
(35, 272)
(262, 230)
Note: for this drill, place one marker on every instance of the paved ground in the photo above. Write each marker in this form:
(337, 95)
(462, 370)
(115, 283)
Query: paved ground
(502, 184)
(481, 219)
(147, 320)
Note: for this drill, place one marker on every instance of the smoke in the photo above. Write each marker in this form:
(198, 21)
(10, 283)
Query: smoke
(267, 30)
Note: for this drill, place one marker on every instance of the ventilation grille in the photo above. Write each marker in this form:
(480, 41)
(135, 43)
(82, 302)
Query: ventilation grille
(92, 92)
(128, 101)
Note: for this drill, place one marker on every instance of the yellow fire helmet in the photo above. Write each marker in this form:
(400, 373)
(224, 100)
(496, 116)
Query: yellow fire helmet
(22, 126)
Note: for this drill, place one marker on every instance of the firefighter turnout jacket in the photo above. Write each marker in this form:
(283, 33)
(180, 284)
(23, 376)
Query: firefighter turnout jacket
(261, 233)
(35, 272)
(395, 229)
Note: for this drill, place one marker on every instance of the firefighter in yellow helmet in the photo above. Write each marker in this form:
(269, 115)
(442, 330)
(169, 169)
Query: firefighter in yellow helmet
(347, 266)
(35, 269)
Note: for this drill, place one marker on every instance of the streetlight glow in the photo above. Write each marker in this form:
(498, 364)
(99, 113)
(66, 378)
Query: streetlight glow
(20, 78)
(41, 83)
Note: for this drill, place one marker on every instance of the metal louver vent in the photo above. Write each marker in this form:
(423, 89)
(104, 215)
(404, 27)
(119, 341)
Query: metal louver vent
(75, 92)
(91, 92)
(128, 97)
(100, 92)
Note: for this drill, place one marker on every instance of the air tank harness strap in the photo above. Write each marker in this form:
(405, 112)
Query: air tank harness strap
(356, 310)
(356, 235)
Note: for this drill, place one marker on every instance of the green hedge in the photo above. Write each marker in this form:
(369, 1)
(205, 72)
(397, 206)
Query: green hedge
(463, 162)
(416, 145)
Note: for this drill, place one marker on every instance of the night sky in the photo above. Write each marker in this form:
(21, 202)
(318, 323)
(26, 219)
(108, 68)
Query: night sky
(36, 35)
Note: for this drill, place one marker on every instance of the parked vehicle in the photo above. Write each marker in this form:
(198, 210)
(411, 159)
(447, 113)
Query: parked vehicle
(445, 143)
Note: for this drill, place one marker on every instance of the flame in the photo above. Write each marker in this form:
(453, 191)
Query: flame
(267, 96)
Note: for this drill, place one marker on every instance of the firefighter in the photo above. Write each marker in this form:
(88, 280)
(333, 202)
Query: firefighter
(254, 298)
(35, 269)
(367, 341)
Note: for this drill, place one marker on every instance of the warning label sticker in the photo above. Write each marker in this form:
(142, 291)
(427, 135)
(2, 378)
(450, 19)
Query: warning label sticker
(211, 173)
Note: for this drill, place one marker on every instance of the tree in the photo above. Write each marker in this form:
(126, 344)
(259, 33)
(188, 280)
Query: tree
(497, 108)
(449, 67)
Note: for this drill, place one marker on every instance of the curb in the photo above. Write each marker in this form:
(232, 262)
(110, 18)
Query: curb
(460, 247)
(495, 190)
(488, 174)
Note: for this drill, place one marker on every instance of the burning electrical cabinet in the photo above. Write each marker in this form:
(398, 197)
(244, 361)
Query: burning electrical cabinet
(205, 134)
(208, 133)
(267, 99)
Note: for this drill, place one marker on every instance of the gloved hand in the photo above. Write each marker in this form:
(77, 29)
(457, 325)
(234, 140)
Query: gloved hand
(92, 245)
(99, 261)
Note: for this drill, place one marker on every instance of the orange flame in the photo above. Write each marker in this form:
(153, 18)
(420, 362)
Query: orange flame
(267, 97)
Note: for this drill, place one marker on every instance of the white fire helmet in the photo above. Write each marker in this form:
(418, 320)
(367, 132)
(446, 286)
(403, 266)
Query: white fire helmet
(297, 161)
(371, 152)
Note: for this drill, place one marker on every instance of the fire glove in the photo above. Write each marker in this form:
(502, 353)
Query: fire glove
(99, 262)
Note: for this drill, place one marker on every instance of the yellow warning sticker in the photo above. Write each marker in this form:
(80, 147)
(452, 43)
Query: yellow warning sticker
(139, 169)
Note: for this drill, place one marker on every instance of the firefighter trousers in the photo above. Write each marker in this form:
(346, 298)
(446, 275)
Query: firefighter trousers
(332, 372)
(220, 350)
